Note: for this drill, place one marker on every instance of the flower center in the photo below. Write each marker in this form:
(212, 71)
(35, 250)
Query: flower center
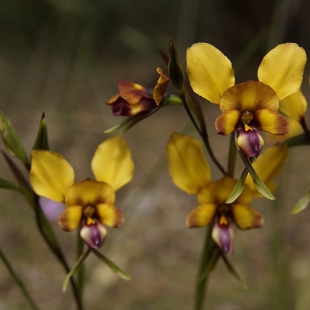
(246, 118)
(223, 211)
(88, 212)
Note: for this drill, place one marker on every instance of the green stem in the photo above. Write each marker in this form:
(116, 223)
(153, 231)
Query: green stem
(305, 128)
(209, 257)
(232, 155)
(18, 281)
(203, 133)
(47, 234)
(81, 271)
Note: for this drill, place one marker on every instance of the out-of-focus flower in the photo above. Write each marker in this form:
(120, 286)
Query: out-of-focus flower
(89, 203)
(251, 106)
(294, 108)
(134, 98)
(190, 172)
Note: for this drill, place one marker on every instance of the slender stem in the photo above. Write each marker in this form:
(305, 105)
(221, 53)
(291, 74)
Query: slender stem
(56, 250)
(305, 128)
(204, 135)
(209, 257)
(232, 155)
(81, 271)
(18, 281)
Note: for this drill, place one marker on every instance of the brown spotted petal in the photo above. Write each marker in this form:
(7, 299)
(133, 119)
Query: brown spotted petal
(94, 235)
(249, 96)
(250, 142)
(227, 122)
(223, 237)
(271, 121)
(89, 193)
(245, 217)
(133, 92)
(131, 100)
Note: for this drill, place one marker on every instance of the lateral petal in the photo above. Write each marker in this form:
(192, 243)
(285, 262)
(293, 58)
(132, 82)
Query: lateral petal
(282, 69)
(210, 72)
(188, 167)
(50, 174)
(112, 162)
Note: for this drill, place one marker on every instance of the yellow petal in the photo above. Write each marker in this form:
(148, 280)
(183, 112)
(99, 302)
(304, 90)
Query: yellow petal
(294, 106)
(210, 72)
(227, 122)
(217, 192)
(201, 216)
(268, 166)
(50, 175)
(249, 96)
(271, 121)
(110, 215)
(188, 167)
(112, 162)
(89, 193)
(245, 217)
(70, 219)
(282, 69)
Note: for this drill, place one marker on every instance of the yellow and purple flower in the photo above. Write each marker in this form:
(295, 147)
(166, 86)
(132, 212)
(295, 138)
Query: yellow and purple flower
(89, 203)
(134, 98)
(251, 106)
(190, 172)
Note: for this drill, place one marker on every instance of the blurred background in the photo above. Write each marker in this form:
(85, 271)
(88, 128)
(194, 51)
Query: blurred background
(65, 58)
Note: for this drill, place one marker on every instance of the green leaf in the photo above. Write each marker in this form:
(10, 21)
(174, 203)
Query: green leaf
(238, 189)
(233, 271)
(41, 142)
(11, 139)
(8, 185)
(259, 184)
(21, 180)
(123, 274)
(299, 140)
(75, 268)
(302, 203)
(176, 73)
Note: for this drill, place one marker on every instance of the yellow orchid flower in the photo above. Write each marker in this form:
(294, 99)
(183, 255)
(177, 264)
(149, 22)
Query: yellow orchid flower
(190, 172)
(89, 203)
(251, 106)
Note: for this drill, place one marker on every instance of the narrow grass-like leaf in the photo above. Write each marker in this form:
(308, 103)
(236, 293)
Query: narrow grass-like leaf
(75, 268)
(238, 189)
(259, 184)
(11, 139)
(41, 142)
(302, 203)
(123, 274)
(233, 271)
(8, 185)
